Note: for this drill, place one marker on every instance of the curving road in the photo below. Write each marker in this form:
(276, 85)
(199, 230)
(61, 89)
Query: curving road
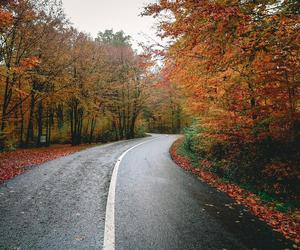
(62, 204)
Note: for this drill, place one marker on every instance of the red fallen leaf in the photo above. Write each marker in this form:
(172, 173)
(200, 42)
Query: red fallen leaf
(14, 163)
(286, 224)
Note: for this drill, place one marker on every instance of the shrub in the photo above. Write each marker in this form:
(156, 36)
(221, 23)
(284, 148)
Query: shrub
(140, 131)
(192, 139)
(106, 136)
(267, 165)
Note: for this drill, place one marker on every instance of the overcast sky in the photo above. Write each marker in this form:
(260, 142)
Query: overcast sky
(92, 16)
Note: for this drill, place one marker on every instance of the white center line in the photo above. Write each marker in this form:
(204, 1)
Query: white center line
(109, 231)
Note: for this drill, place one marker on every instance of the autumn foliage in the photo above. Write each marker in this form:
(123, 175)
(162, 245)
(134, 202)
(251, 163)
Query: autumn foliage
(287, 224)
(60, 85)
(237, 62)
(235, 66)
(5, 18)
(16, 162)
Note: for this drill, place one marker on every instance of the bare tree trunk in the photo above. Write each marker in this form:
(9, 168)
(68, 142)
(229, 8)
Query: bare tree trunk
(39, 123)
(30, 131)
(93, 126)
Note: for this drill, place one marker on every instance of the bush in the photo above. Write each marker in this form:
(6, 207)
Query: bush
(269, 166)
(140, 131)
(8, 142)
(106, 136)
(192, 139)
(218, 150)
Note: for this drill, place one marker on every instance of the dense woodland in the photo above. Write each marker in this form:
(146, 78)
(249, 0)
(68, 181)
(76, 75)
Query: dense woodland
(236, 67)
(230, 80)
(59, 85)
(226, 75)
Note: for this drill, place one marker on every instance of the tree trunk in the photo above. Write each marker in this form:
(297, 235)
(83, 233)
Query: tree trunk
(39, 123)
(29, 137)
(93, 125)
(76, 122)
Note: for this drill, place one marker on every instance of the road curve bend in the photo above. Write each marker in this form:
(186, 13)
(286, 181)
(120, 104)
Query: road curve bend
(62, 204)
(160, 206)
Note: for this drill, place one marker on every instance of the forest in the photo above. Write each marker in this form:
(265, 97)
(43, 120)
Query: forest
(226, 77)
(235, 66)
(59, 85)
(229, 80)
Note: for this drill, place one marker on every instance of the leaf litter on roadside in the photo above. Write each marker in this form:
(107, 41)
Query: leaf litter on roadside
(15, 162)
(287, 224)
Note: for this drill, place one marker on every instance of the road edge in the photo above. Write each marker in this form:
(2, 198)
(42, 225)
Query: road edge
(251, 202)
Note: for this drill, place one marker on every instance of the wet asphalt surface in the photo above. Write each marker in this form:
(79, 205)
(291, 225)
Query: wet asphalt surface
(61, 205)
(160, 206)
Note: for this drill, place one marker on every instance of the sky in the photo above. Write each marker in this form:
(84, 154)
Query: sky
(93, 16)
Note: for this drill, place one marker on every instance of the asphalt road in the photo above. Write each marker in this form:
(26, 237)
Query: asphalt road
(62, 204)
(160, 206)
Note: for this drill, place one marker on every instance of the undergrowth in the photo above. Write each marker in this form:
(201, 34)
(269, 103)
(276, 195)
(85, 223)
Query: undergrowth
(269, 169)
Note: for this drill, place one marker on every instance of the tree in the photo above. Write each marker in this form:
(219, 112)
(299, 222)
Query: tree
(127, 75)
(60, 83)
(108, 37)
(234, 65)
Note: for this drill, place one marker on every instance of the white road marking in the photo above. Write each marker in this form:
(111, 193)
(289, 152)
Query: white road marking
(109, 231)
